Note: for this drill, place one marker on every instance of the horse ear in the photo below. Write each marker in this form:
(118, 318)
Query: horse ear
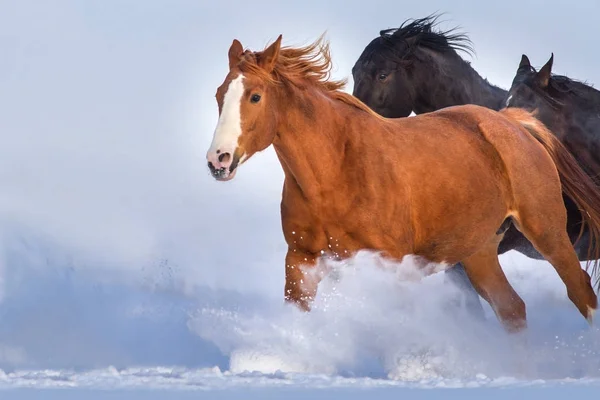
(269, 56)
(235, 53)
(543, 77)
(524, 64)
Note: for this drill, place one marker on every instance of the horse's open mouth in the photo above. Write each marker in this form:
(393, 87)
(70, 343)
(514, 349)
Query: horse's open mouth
(224, 174)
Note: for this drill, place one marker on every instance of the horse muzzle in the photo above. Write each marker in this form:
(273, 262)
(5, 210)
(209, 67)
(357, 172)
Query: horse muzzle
(223, 166)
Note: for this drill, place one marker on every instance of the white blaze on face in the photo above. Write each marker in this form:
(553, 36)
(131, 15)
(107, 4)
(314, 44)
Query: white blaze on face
(229, 127)
(508, 100)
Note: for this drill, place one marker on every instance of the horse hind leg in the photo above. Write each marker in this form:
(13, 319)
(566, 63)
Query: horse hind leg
(485, 273)
(457, 276)
(544, 227)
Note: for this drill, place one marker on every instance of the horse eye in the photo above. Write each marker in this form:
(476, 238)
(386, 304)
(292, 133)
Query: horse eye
(382, 77)
(255, 98)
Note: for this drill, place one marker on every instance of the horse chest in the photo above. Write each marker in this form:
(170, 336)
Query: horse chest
(337, 239)
(319, 240)
(336, 227)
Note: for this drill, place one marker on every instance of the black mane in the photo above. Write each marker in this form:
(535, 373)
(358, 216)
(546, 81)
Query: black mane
(563, 85)
(422, 33)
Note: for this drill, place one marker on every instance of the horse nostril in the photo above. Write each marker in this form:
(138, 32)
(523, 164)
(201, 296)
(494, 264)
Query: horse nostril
(225, 157)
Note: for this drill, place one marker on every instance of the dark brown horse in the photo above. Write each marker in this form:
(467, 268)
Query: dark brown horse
(570, 108)
(440, 186)
(417, 67)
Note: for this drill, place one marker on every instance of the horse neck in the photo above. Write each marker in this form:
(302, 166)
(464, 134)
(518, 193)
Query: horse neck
(311, 140)
(445, 80)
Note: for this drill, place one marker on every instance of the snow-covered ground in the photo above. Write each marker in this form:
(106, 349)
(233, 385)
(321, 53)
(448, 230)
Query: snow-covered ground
(371, 330)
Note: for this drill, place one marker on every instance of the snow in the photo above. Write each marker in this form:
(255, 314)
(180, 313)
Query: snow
(375, 326)
(555, 392)
(213, 379)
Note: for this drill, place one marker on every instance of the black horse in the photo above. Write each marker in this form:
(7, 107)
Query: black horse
(416, 68)
(571, 109)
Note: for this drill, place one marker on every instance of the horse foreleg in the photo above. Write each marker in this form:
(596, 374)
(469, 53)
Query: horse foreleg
(301, 278)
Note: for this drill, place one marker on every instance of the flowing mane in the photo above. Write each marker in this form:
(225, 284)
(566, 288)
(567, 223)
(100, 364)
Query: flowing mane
(420, 32)
(302, 66)
(562, 86)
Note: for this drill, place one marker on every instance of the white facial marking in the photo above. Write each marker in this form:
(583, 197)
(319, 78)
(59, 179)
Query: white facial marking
(508, 100)
(229, 127)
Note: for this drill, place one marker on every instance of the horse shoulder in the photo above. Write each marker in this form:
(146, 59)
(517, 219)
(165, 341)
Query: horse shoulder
(302, 230)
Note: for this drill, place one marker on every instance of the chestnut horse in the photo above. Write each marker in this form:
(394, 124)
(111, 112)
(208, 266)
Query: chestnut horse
(442, 186)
